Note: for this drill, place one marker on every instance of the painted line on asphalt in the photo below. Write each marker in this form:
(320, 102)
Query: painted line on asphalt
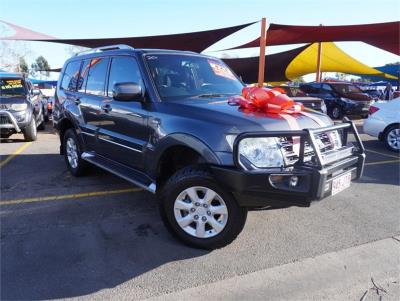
(382, 162)
(15, 153)
(382, 154)
(68, 196)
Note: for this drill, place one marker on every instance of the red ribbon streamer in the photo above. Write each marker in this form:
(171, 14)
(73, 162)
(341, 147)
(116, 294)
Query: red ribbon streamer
(266, 100)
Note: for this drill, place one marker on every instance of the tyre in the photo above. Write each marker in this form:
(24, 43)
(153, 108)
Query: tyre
(336, 112)
(392, 138)
(30, 131)
(198, 211)
(42, 126)
(72, 154)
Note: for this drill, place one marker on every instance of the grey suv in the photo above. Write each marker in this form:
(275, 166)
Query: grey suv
(21, 107)
(161, 120)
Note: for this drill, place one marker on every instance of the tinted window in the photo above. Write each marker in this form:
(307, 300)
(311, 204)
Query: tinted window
(345, 88)
(12, 87)
(97, 76)
(180, 76)
(124, 70)
(83, 76)
(313, 88)
(327, 87)
(70, 77)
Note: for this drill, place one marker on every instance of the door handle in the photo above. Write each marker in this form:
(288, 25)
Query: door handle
(106, 107)
(77, 101)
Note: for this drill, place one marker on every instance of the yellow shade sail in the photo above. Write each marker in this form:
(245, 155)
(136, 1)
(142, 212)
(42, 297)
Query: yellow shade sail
(333, 59)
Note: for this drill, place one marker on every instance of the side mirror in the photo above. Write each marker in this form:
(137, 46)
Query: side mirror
(127, 92)
(35, 92)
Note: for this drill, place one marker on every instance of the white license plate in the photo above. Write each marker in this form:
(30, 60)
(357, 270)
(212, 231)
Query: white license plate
(341, 183)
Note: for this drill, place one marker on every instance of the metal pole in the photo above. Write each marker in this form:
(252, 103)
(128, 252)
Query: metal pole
(261, 65)
(318, 75)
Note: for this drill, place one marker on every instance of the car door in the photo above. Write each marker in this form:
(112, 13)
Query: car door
(89, 94)
(123, 132)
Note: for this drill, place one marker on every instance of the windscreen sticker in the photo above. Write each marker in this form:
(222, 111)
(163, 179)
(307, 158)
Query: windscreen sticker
(221, 70)
(11, 84)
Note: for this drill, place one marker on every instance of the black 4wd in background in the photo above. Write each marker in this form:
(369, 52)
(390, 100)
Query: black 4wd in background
(21, 107)
(340, 98)
(161, 120)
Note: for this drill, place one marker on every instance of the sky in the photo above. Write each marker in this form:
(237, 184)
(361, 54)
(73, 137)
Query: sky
(119, 18)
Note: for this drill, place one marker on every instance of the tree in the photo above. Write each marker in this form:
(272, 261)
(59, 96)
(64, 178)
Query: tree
(23, 66)
(298, 80)
(40, 66)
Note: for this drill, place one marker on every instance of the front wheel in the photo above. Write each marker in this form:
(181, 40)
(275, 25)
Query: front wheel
(392, 138)
(30, 132)
(198, 211)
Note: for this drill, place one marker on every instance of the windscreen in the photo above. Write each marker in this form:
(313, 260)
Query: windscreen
(180, 76)
(12, 87)
(345, 89)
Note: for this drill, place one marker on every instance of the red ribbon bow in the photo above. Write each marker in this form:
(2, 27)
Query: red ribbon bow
(266, 100)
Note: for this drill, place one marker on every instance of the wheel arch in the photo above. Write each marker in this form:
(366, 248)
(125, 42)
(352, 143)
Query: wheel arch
(62, 126)
(177, 151)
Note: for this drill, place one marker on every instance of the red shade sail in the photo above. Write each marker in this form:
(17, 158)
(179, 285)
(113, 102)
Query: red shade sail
(382, 35)
(193, 41)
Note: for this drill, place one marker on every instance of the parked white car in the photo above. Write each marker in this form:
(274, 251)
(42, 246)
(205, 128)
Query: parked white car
(384, 122)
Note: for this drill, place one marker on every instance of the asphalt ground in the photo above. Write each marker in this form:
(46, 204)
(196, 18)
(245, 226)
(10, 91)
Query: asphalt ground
(99, 237)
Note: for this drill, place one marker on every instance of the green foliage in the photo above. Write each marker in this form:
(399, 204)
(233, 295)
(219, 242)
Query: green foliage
(23, 66)
(40, 66)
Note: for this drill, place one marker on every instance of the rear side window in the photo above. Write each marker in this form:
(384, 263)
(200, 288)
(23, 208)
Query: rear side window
(83, 76)
(124, 70)
(97, 75)
(71, 76)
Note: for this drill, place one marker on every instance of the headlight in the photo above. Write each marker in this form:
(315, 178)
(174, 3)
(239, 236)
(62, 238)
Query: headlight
(348, 101)
(261, 152)
(19, 106)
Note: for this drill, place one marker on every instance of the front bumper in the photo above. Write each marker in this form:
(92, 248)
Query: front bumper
(8, 122)
(272, 187)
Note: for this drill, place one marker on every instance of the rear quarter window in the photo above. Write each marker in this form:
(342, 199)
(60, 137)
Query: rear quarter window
(71, 76)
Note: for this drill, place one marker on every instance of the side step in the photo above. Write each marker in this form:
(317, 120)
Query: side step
(127, 173)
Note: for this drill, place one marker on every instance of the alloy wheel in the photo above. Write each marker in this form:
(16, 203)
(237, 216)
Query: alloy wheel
(200, 212)
(72, 153)
(393, 139)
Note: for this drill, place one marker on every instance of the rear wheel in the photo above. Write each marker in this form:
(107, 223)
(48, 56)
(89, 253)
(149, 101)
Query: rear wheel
(72, 153)
(336, 112)
(392, 138)
(30, 131)
(198, 211)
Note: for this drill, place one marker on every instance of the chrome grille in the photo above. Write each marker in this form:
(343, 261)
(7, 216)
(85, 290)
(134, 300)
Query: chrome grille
(4, 120)
(290, 147)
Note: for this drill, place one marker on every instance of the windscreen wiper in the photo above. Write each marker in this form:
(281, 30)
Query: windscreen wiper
(212, 95)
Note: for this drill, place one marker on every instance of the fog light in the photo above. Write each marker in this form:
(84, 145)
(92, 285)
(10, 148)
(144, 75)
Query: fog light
(294, 180)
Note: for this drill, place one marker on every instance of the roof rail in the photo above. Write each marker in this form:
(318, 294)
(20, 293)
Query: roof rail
(105, 48)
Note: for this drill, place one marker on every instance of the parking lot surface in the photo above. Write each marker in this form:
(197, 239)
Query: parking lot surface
(99, 237)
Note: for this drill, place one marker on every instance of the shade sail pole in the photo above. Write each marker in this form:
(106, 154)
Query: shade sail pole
(261, 64)
(318, 73)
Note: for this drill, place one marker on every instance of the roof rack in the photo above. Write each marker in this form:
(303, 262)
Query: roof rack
(105, 48)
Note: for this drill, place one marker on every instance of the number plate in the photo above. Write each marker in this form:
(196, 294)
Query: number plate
(341, 183)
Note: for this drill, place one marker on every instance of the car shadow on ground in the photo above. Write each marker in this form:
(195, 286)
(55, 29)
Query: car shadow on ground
(75, 247)
(80, 255)
(15, 138)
